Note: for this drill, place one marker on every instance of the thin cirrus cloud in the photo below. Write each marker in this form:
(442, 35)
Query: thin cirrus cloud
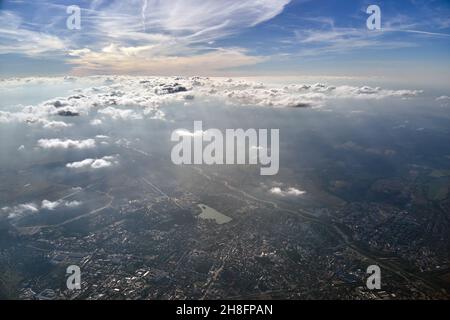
(216, 37)
(342, 40)
(15, 37)
(171, 36)
(179, 20)
(328, 37)
(137, 36)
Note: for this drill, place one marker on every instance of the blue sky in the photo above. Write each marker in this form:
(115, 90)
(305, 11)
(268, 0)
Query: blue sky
(227, 37)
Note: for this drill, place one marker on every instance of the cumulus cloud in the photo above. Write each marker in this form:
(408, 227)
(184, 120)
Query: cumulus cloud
(122, 114)
(56, 124)
(243, 92)
(23, 210)
(53, 205)
(96, 122)
(104, 162)
(293, 192)
(66, 144)
(49, 205)
(20, 210)
(107, 96)
(444, 100)
(131, 97)
(377, 93)
(29, 117)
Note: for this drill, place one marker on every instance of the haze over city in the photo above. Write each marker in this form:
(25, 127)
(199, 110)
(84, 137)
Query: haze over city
(224, 150)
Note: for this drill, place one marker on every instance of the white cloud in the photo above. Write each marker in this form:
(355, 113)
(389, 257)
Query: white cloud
(122, 114)
(80, 164)
(144, 62)
(56, 125)
(293, 192)
(66, 144)
(243, 92)
(23, 210)
(49, 205)
(52, 205)
(101, 163)
(187, 133)
(73, 204)
(20, 210)
(444, 100)
(213, 18)
(28, 116)
(104, 162)
(96, 122)
(143, 98)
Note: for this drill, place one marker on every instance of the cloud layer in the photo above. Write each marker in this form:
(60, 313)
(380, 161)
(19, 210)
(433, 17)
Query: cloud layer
(142, 36)
(127, 98)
